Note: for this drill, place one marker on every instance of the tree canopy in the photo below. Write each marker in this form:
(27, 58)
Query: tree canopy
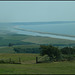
(51, 51)
(68, 50)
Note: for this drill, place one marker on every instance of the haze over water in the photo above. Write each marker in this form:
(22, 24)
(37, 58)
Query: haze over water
(59, 28)
(63, 28)
(45, 29)
(39, 11)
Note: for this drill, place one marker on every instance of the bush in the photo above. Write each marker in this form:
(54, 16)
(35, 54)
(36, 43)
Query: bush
(53, 52)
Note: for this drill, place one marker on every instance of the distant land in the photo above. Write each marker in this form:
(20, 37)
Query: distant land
(38, 33)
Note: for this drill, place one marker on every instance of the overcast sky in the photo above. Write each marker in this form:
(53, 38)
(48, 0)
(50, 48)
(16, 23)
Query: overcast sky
(37, 11)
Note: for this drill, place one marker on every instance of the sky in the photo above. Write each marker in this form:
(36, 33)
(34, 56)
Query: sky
(37, 11)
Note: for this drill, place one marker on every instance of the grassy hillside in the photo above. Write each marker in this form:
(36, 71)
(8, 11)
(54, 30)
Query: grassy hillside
(25, 58)
(18, 39)
(26, 41)
(47, 40)
(6, 50)
(12, 38)
(29, 66)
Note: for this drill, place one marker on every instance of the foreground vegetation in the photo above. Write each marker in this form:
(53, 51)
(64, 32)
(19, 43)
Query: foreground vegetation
(56, 54)
(53, 53)
(28, 60)
(29, 65)
(45, 68)
(24, 58)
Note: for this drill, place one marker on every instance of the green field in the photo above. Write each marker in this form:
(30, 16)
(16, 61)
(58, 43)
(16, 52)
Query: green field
(26, 41)
(12, 38)
(28, 61)
(47, 40)
(29, 65)
(25, 58)
(6, 49)
(18, 39)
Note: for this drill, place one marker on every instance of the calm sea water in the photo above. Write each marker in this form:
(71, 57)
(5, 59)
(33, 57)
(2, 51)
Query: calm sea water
(67, 28)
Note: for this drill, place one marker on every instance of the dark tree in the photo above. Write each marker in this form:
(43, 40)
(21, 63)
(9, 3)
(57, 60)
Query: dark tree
(51, 51)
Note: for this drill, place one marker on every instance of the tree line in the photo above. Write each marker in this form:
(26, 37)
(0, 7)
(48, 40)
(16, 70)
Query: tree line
(26, 50)
(56, 54)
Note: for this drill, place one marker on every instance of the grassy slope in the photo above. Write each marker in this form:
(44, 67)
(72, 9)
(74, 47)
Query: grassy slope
(15, 39)
(5, 39)
(29, 67)
(47, 40)
(6, 50)
(25, 58)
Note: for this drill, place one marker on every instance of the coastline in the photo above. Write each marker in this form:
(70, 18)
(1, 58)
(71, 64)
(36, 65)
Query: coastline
(47, 34)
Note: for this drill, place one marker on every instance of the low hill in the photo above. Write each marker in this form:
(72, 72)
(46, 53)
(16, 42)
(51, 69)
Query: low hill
(28, 41)
(47, 40)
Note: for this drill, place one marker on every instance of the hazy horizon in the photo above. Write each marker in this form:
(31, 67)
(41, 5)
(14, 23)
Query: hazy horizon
(37, 11)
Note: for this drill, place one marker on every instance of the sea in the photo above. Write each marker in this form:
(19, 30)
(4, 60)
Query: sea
(56, 29)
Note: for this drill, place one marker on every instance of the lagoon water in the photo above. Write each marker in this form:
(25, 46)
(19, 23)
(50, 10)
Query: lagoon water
(67, 28)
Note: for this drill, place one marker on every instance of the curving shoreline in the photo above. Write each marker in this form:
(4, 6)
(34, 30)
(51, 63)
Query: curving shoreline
(47, 33)
(16, 27)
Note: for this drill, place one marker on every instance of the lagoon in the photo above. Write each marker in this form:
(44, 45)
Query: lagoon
(62, 30)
